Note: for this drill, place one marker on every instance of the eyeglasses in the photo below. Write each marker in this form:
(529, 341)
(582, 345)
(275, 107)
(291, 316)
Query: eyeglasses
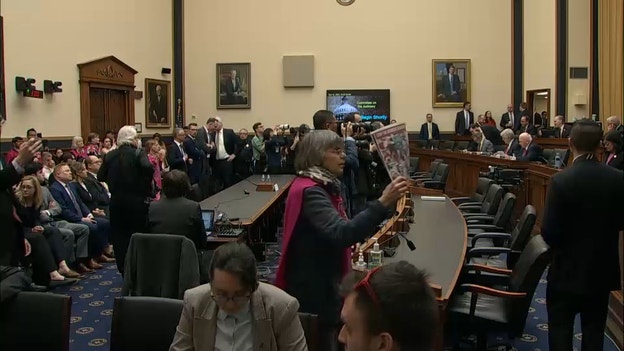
(222, 300)
(365, 283)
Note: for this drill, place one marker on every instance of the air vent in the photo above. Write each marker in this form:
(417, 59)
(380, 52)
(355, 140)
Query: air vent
(578, 72)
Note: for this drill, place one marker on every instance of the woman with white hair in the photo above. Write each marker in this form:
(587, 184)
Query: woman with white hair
(78, 148)
(128, 173)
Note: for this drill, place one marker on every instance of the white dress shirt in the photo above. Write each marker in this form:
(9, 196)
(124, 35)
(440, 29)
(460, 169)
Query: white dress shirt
(221, 153)
(234, 332)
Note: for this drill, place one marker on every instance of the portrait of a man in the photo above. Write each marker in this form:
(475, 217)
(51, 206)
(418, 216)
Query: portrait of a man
(233, 85)
(157, 103)
(451, 82)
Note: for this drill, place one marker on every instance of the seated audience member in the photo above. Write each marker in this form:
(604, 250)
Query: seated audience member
(74, 210)
(511, 143)
(95, 198)
(16, 142)
(93, 144)
(429, 130)
(235, 311)
(526, 126)
(273, 148)
(48, 164)
(561, 130)
(315, 221)
(78, 148)
(529, 150)
(480, 143)
(174, 213)
(48, 257)
(375, 313)
(107, 145)
(614, 156)
(58, 155)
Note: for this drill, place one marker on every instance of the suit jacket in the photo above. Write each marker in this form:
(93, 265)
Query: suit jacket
(203, 140)
(229, 142)
(492, 134)
(175, 157)
(505, 118)
(565, 134)
(424, 132)
(513, 149)
(275, 324)
(68, 210)
(581, 224)
(533, 153)
(487, 146)
(179, 216)
(528, 129)
(460, 123)
(97, 190)
(616, 162)
(446, 88)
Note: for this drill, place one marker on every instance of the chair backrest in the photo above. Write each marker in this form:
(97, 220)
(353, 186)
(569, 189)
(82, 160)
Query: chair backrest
(521, 233)
(160, 265)
(433, 167)
(483, 185)
(441, 173)
(414, 164)
(524, 278)
(36, 321)
(549, 156)
(446, 144)
(434, 143)
(505, 210)
(492, 199)
(142, 323)
(420, 144)
(309, 322)
(461, 145)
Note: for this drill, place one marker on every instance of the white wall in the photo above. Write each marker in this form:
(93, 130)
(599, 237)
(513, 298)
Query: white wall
(579, 53)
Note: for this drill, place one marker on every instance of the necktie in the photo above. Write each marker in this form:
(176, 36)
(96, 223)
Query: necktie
(73, 198)
(525, 152)
(507, 149)
(181, 149)
(452, 87)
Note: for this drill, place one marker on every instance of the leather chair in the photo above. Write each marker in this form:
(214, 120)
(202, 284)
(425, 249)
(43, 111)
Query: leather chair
(143, 323)
(461, 145)
(438, 181)
(483, 185)
(490, 203)
(309, 322)
(432, 169)
(479, 309)
(446, 145)
(160, 265)
(549, 156)
(413, 168)
(36, 321)
(500, 222)
(486, 247)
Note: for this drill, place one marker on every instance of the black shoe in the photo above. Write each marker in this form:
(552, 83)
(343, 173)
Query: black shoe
(38, 288)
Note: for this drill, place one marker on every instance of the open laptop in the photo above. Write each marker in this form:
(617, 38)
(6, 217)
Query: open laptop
(208, 218)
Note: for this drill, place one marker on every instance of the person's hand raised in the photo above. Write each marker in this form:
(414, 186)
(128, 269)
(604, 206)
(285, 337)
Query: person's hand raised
(27, 152)
(393, 192)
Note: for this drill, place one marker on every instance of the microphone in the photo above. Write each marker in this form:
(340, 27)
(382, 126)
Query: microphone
(410, 244)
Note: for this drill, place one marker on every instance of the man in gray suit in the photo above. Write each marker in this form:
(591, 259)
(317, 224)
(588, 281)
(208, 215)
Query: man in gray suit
(263, 316)
(481, 144)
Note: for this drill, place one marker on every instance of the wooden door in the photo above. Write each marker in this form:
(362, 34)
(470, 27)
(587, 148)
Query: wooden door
(108, 110)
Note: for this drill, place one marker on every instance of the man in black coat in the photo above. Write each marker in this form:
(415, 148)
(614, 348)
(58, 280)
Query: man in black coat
(529, 151)
(195, 154)
(429, 130)
(582, 221)
(464, 119)
(224, 153)
(510, 119)
(561, 130)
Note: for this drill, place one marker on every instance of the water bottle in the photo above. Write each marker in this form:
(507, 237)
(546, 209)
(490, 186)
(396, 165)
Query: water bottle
(557, 160)
(595, 117)
(263, 177)
(375, 256)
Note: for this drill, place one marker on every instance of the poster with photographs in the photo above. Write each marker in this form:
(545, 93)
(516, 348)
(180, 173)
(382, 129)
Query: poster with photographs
(393, 147)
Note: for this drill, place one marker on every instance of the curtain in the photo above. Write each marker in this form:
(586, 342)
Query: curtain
(611, 58)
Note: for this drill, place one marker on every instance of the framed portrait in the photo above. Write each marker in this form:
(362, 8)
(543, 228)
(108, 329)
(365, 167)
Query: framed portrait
(233, 85)
(157, 103)
(138, 127)
(451, 82)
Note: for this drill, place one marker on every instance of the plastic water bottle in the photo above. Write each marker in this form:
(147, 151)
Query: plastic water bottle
(375, 256)
(263, 177)
(557, 160)
(361, 264)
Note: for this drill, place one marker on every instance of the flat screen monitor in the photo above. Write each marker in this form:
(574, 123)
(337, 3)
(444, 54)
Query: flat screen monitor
(208, 218)
(373, 104)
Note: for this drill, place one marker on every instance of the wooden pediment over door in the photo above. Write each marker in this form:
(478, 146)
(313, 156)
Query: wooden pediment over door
(106, 95)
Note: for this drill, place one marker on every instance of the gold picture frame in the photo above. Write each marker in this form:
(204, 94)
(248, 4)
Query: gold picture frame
(233, 85)
(158, 113)
(451, 83)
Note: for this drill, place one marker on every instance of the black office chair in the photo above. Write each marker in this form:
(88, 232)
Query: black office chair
(160, 265)
(36, 321)
(446, 145)
(487, 246)
(142, 323)
(483, 184)
(433, 144)
(480, 310)
(438, 181)
(420, 144)
(549, 156)
(309, 322)
(499, 222)
(413, 168)
(432, 169)
(461, 145)
(490, 203)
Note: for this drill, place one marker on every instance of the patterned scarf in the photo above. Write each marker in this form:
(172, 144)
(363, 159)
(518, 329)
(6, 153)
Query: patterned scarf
(323, 176)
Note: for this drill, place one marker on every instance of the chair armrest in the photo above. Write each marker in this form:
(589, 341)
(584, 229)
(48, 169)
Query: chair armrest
(470, 209)
(480, 289)
(504, 236)
(470, 203)
(485, 251)
(491, 227)
(480, 216)
(460, 198)
(423, 179)
(489, 269)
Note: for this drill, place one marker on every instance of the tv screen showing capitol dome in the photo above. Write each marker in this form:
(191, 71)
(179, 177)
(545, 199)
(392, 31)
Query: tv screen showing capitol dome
(373, 105)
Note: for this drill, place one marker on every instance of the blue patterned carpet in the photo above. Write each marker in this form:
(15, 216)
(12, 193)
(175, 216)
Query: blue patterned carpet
(93, 302)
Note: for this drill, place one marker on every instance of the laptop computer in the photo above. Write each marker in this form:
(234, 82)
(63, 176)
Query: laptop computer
(208, 218)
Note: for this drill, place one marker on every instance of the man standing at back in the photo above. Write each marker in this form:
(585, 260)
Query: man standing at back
(582, 219)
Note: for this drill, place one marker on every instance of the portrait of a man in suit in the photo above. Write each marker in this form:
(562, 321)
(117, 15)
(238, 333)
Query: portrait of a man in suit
(451, 82)
(233, 83)
(157, 103)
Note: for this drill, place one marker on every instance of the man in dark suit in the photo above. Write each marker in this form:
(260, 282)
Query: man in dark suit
(526, 126)
(224, 153)
(561, 130)
(509, 119)
(614, 123)
(582, 221)
(98, 192)
(205, 143)
(233, 88)
(429, 130)
(176, 156)
(158, 107)
(463, 120)
(450, 89)
(195, 154)
(491, 133)
(529, 150)
(174, 213)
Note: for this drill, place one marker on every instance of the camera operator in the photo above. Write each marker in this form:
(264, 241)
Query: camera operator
(325, 120)
(273, 142)
(292, 141)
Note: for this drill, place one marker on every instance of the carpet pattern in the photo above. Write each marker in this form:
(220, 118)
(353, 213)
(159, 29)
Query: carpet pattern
(92, 309)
